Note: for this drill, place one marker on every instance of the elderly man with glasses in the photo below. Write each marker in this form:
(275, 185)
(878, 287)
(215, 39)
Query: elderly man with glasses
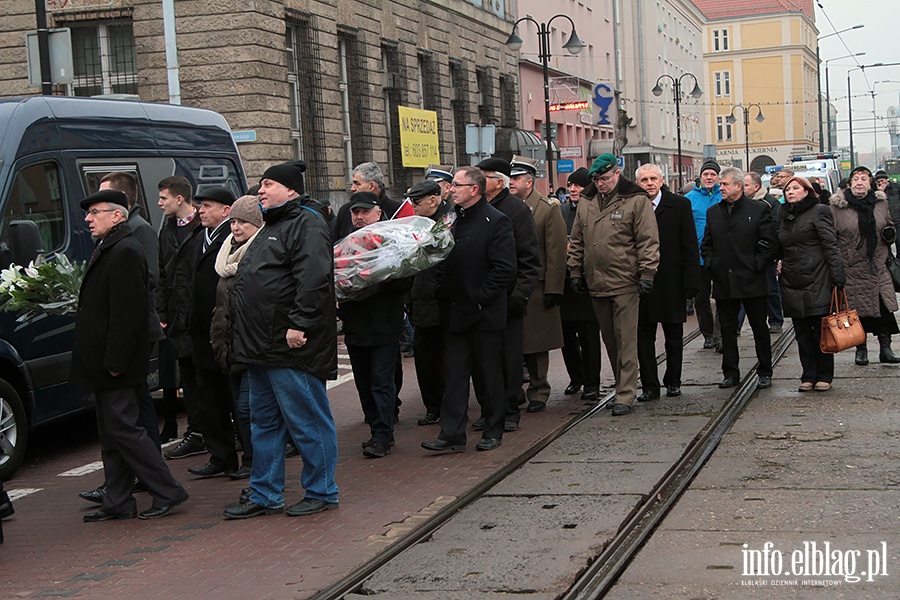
(613, 256)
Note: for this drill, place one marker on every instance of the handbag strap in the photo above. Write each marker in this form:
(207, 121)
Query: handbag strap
(833, 308)
(842, 301)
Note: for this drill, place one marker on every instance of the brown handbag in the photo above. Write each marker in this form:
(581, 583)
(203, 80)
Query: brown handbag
(841, 329)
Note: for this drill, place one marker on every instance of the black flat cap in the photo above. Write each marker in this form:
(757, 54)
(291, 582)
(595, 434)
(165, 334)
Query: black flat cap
(497, 165)
(111, 196)
(363, 200)
(424, 188)
(222, 195)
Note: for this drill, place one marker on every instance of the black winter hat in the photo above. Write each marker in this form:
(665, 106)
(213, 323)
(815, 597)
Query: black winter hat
(219, 194)
(880, 174)
(497, 165)
(860, 168)
(580, 177)
(289, 174)
(111, 196)
(711, 164)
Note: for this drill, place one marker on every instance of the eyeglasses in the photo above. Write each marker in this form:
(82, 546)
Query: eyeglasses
(96, 211)
(603, 178)
(457, 185)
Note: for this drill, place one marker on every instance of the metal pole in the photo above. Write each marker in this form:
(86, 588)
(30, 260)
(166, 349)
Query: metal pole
(43, 36)
(850, 121)
(544, 35)
(819, 96)
(828, 104)
(874, 131)
(747, 139)
(678, 129)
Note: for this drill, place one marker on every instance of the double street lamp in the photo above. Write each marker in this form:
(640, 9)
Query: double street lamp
(850, 102)
(731, 120)
(574, 45)
(696, 92)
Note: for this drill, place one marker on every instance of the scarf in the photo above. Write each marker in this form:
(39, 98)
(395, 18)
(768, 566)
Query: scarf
(231, 253)
(865, 213)
(795, 208)
(99, 246)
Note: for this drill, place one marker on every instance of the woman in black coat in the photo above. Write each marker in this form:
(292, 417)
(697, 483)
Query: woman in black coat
(811, 266)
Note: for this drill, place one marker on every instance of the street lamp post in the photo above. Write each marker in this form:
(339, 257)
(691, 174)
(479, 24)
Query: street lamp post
(696, 92)
(850, 103)
(819, 76)
(828, 93)
(574, 46)
(759, 119)
(875, 120)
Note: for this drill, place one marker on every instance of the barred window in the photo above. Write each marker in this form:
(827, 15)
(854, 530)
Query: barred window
(103, 55)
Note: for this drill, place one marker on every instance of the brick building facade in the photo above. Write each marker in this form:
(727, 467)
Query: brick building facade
(314, 79)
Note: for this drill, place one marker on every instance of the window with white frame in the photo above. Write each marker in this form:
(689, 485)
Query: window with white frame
(720, 40)
(103, 57)
(723, 83)
(723, 130)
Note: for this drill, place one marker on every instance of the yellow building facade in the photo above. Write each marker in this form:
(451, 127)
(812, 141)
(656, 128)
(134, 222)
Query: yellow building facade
(762, 80)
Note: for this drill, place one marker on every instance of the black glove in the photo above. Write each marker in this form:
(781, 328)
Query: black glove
(578, 285)
(515, 306)
(646, 286)
(889, 234)
(552, 300)
(690, 293)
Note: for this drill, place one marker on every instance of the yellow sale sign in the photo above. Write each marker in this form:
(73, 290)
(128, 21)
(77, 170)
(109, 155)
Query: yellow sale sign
(419, 145)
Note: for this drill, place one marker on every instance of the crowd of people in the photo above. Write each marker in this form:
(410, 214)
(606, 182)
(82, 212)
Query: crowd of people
(242, 308)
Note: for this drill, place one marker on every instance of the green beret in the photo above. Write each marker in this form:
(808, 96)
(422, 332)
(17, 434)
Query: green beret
(603, 164)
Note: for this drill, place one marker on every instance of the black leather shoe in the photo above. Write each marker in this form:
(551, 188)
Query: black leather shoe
(249, 510)
(290, 450)
(764, 382)
(728, 382)
(536, 406)
(572, 389)
(245, 495)
(309, 506)
(95, 495)
(590, 394)
(376, 450)
(719, 347)
(673, 390)
(488, 444)
(709, 343)
(191, 445)
(209, 470)
(242, 473)
(648, 396)
(158, 512)
(510, 426)
(480, 424)
(620, 409)
(443, 446)
(430, 418)
(102, 515)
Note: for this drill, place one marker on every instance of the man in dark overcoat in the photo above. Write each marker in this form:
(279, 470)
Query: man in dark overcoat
(214, 399)
(472, 292)
(678, 278)
(528, 269)
(111, 354)
(738, 245)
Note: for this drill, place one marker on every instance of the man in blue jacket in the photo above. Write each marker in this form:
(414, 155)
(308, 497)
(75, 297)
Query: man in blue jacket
(702, 197)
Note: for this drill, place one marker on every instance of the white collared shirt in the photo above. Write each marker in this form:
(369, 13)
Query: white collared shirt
(657, 200)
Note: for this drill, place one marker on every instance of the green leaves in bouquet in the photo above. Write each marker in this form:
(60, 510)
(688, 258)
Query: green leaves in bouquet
(49, 286)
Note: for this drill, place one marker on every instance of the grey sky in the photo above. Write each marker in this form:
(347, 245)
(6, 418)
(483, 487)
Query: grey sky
(878, 39)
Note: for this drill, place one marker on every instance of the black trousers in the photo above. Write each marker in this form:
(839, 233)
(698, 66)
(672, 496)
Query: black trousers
(215, 406)
(674, 333)
(128, 451)
(477, 355)
(757, 312)
(240, 393)
(581, 353)
(817, 366)
(188, 376)
(428, 347)
(513, 395)
(706, 317)
(373, 373)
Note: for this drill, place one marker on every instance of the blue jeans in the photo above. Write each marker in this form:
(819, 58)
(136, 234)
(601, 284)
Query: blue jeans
(290, 404)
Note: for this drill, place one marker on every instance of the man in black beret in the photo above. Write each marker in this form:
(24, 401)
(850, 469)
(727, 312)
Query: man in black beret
(111, 354)
(214, 399)
(528, 269)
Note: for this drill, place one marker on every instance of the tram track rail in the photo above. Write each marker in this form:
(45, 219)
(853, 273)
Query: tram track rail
(353, 580)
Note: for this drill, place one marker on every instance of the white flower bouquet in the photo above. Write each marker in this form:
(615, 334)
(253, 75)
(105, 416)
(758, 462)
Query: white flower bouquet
(389, 250)
(48, 286)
